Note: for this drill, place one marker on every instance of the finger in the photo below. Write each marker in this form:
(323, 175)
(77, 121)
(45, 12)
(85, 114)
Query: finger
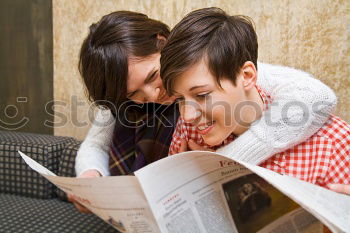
(340, 188)
(183, 146)
(90, 174)
(70, 198)
(81, 208)
(194, 146)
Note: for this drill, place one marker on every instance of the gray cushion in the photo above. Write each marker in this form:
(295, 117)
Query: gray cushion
(16, 177)
(22, 214)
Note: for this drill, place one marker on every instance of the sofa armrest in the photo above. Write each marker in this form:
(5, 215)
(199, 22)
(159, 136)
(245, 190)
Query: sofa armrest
(16, 177)
(67, 159)
(67, 165)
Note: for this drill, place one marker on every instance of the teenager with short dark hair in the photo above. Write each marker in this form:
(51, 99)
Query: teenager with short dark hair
(210, 64)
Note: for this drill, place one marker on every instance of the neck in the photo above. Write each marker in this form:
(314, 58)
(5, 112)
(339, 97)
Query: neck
(251, 112)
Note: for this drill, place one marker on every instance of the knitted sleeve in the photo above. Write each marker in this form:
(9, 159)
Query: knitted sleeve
(301, 105)
(94, 151)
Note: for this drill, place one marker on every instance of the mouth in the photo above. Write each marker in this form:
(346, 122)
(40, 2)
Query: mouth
(205, 128)
(163, 97)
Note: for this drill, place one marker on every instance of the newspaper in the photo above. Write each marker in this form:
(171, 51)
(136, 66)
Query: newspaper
(205, 192)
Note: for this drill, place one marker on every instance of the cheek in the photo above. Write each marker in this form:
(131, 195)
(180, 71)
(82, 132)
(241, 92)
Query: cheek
(181, 108)
(138, 98)
(158, 82)
(224, 119)
(221, 111)
(218, 113)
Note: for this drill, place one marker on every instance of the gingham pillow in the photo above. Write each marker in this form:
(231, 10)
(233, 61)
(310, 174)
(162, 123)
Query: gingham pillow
(22, 214)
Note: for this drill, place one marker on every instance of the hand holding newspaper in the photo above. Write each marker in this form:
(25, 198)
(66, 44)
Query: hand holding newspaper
(205, 192)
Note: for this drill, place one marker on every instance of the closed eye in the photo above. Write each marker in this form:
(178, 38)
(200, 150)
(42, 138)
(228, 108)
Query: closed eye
(129, 95)
(151, 77)
(203, 95)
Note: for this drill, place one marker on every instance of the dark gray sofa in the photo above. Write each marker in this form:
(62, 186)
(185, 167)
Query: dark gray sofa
(28, 202)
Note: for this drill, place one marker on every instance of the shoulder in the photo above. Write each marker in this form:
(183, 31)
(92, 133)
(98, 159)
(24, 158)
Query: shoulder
(335, 129)
(332, 139)
(265, 69)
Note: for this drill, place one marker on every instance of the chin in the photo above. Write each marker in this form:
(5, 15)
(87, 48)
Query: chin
(213, 141)
(168, 101)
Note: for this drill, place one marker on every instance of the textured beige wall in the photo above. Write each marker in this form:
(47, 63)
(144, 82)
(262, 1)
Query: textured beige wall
(312, 35)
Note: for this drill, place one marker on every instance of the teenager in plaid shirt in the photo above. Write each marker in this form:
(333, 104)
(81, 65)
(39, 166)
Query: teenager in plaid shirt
(210, 65)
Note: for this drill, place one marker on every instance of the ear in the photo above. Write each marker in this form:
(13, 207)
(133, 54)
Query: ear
(160, 37)
(249, 75)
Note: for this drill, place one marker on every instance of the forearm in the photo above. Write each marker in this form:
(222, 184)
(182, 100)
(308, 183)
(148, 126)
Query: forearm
(94, 151)
(92, 159)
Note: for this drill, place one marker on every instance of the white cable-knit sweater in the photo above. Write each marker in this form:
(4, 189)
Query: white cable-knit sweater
(301, 105)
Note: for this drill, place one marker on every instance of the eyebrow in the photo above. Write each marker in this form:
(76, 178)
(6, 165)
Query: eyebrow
(149, 77)
(195, 87)
(191, 89)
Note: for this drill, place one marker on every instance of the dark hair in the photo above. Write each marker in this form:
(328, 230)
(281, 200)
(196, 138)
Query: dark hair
(225, 42)
(103, 62)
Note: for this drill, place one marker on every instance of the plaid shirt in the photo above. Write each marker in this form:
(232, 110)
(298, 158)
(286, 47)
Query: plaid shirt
(142, 138)
(322, 159)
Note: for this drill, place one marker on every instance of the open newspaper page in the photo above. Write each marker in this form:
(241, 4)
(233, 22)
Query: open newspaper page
(117, 200)
(330, 207)
(205, 192)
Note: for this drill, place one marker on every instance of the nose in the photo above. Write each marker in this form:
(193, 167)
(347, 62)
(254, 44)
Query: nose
(151, 93)
(189, 111)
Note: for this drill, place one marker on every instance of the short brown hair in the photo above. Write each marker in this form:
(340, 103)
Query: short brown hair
(226, 42)
(103, 62)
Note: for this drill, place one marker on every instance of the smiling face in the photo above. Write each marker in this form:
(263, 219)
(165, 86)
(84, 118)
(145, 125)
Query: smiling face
(144, 83)
(248, 188)
(218, 111)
